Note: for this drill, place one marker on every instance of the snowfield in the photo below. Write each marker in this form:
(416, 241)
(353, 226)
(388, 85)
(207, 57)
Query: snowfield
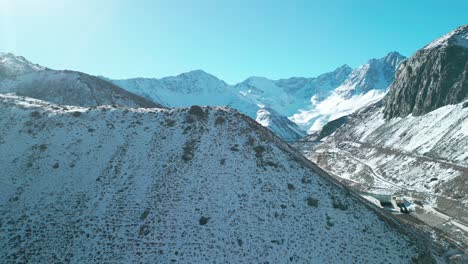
(199, 185)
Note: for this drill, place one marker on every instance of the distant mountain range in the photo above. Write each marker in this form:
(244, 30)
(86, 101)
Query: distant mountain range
(308, 102)
(289, 107)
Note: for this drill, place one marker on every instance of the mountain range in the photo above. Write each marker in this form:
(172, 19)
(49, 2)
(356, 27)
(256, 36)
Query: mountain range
(296, 104)
(414, 142)
(289, 107)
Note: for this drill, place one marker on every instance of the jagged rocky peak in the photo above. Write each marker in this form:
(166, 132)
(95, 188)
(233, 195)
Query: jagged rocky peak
(63, 87)
(198, 74)
(394, 59)
(198, 185)
(433, 77)
(376, 74)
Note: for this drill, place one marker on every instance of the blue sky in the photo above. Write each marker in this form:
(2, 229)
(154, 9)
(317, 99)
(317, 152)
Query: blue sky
(230, 39)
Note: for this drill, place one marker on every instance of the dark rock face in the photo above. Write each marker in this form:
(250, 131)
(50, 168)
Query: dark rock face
(432, 78)
(332, 126)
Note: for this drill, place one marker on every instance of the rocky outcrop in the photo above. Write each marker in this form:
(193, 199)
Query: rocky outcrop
(434, 77)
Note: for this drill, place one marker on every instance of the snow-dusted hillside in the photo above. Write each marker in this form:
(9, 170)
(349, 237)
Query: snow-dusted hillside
(423, 157)
(199, 185)
(12, 66)
(62, 87)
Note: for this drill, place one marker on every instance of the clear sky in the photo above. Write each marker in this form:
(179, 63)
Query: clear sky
(231, 39)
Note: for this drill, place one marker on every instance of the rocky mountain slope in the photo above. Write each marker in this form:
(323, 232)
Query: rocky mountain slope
(191, 185)
(434, 77)
(62, 87)
(425, 155)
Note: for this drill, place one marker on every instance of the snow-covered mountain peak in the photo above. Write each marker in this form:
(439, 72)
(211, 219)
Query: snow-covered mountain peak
(458, 37)
(198, 74)
(194, 82)
(393, 59)
(286, 97)
(344, 69)
(258, 81)
(12, 66)
(363, 86)
(375, 74)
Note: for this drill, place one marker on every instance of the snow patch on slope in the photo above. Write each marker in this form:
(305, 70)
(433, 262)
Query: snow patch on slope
(334, 107)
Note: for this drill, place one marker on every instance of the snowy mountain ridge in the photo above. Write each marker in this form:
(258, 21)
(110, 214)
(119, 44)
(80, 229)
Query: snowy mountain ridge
(458, 37)
(296, 99)
(364, 86)
(62, 87)
(12, 66)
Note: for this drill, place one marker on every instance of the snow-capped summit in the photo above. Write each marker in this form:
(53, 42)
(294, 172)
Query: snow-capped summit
(12, 66)
(458, 37)
(363, 86)
(376, 74)
(191, 88)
